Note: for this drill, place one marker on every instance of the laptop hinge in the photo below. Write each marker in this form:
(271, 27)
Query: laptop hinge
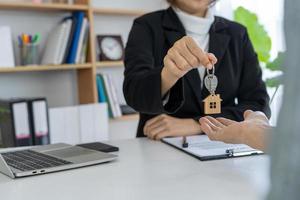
(4, 168)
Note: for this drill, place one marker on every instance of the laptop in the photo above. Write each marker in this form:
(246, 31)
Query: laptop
(49, 158)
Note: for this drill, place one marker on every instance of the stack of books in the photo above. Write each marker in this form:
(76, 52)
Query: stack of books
(68, 42)
(107, 93)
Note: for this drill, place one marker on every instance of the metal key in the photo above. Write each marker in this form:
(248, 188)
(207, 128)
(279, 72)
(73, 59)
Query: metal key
(211, 81)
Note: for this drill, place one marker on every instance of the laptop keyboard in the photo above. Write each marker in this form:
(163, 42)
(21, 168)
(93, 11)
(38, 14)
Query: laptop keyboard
(27, 160)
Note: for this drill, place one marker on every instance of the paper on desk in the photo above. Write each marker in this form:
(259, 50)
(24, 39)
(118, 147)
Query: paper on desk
(201, 146)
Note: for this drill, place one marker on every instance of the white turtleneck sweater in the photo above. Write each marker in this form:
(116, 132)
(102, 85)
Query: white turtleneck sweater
(197, 28)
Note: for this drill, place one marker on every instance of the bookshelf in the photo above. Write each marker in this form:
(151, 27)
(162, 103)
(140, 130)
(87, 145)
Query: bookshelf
(86, 73)
(44, 68)
(109, 64)
(42, 6)
(110, 11)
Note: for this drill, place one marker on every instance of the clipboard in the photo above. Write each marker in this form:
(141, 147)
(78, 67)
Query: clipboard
(200, 147)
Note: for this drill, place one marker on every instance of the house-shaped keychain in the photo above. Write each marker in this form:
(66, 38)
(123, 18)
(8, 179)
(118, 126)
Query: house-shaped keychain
(212, 104)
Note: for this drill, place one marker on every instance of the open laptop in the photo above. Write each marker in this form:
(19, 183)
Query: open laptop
(49, 158)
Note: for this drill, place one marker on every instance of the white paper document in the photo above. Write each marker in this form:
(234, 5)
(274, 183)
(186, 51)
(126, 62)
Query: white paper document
(201, 147)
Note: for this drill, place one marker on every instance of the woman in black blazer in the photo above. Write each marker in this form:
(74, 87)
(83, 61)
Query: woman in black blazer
(162, 77)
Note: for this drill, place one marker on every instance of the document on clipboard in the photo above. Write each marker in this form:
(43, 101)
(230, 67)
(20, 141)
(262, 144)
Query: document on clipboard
(204, 149)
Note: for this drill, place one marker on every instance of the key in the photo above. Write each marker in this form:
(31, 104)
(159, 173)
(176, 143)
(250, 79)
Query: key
(211, 83)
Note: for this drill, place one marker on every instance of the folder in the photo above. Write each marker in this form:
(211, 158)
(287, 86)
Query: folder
(78, 18)
(39, 120)
(64, 125)
(200, 147)
(15, 128)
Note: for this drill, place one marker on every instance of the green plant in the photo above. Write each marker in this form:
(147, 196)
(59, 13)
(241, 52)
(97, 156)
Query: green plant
(262, 44)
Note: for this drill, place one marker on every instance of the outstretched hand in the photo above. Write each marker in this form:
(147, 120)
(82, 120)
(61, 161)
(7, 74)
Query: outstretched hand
(252, 131)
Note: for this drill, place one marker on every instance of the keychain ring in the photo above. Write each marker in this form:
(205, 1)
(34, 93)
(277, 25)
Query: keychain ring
(213, 70)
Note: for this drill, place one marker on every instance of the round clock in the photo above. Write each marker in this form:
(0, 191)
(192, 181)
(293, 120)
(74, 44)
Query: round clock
(111, 48)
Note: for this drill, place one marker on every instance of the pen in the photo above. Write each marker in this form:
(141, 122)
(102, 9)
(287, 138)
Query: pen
(185, 144)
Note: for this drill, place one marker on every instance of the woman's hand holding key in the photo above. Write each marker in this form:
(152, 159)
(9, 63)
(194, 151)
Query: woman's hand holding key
(184, 56)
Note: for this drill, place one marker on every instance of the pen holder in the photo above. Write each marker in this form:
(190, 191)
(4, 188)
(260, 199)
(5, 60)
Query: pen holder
(29, 54)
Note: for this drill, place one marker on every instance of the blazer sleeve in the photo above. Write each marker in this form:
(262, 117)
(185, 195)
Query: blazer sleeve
(142, 79)
(252, 92)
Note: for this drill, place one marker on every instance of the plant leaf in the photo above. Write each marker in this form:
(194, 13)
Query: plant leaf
(275, 81)
(258, 35)
(277, 63)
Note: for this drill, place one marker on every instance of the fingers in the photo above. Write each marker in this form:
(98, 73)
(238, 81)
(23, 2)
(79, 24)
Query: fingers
(205, 120)
(215, 122)
(151, 122)
(179, 60)
(212, 58)
(208, 129)
(225, 121)
(189, 57)
(172, 68)
(257, 115)
(198, 52)
(247, 113)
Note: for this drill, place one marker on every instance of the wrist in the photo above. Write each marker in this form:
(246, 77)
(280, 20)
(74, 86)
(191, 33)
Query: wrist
(193, 127)
(168, 75)
(168, 80)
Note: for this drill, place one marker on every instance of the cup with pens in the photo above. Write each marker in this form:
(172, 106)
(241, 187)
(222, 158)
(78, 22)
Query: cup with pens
(29, 49)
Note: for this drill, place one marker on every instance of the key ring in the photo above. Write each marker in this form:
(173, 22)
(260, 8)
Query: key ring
(208, 70)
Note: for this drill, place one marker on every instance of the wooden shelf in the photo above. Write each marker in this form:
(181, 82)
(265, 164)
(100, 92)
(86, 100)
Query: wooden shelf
(118, 11)
(126, 118)
(42, 6)
(44, 68)
(104, 64)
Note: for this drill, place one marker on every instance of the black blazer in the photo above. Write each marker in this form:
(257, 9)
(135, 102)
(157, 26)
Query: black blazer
(238, 71)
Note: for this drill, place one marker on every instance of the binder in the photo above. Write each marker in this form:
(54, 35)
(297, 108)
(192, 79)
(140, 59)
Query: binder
(78, 21)
(200, 147)
(15, 123)
(39, 121)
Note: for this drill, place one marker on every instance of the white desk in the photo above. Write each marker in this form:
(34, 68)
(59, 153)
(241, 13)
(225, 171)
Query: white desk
(146, 170)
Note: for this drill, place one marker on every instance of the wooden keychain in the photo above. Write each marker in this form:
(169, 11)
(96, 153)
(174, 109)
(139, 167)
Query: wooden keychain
(212, 103)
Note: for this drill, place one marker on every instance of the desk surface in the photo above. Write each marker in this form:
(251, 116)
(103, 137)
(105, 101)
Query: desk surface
(147, 170)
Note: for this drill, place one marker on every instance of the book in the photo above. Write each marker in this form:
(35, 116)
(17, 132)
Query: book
(81, 39)
(84, 49)
(101, 92)
(6, 47)
(70, 38)
(114, 96)
(52, 52)
(64, 43)
(108, 93)
(78, 18)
